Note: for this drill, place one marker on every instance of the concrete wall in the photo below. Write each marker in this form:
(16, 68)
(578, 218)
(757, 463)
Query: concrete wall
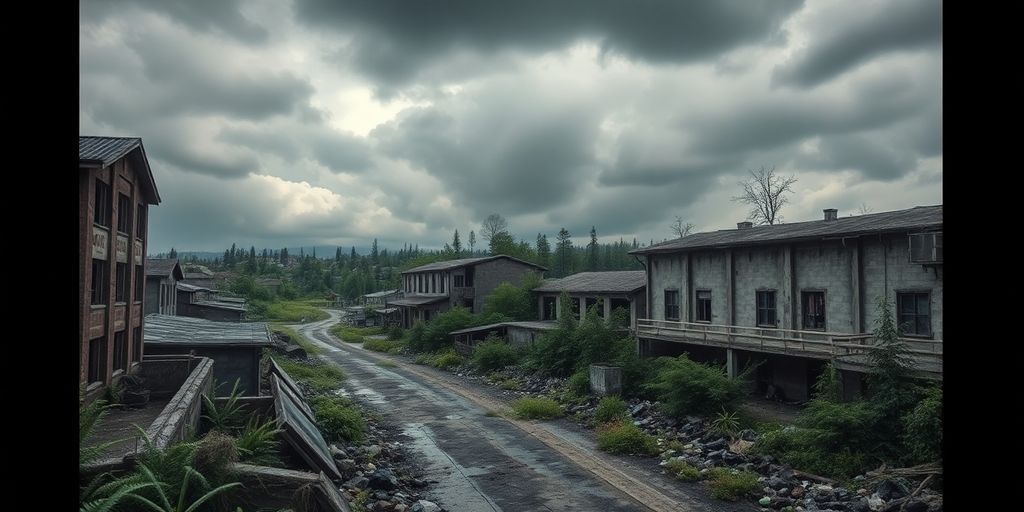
(825, 267)
(668, 272)
(758, 270)
(887, 270)
(521, 337)
(229, 363)
(488, 275)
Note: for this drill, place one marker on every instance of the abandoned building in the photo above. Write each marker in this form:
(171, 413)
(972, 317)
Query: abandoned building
(199, 275)
(437, 287)
(162, 277)
(518, 334)
(272, 284)
(115, 189)
(795, 296)
(381, 298)
(235, 348)
(199, 302)
(608, 291)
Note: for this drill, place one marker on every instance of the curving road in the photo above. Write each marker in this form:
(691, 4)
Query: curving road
(485, 463)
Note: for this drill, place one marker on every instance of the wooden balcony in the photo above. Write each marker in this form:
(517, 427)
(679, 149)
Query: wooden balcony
(846, 350)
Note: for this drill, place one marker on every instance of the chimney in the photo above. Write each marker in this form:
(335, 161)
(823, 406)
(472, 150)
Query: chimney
(744, 225)
(831, 213)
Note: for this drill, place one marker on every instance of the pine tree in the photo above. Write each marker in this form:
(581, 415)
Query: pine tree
(543, 251)
(374, 255)
(457, 244)
(592, 254)
(563, 254)
(353, 255)
(173, 254)
(472, 243)
(337, 256)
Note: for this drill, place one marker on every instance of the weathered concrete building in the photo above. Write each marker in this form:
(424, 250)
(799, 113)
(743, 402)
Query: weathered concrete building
(518, 334)
(162, 277)
(607, 290)
(235, 348)
(436, 287)
(199, 302)
(115, 189)
(794, 296)
(381, 298)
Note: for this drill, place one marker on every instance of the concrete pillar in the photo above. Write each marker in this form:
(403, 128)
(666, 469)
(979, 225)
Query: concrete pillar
(730, 306)
(855, 286)
(731, 363)
(788, 299)
(688, 290)
(558, 305)
(607, 306)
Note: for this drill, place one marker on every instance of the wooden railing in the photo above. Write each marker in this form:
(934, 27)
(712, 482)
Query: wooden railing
(926, 354)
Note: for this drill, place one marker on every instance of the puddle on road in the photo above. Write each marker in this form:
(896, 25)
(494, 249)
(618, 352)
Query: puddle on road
(454, 487)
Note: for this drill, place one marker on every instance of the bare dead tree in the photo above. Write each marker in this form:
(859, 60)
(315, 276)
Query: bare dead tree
(765, 192)
(864, 209)
(493, 225)
(680, 228)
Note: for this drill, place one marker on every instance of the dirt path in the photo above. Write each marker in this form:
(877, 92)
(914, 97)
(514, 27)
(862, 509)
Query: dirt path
(486, 462)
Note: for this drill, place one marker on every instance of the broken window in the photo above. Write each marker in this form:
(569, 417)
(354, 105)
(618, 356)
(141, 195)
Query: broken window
(766, 308)
(548, 307)
(813, 310)
(97, 359)
(120, 350)
(121, 282)
(671, 304)
(469, 276)
(137, 344)
(703, 305)
(124, 214)
(460, 281)
(99, 281)
(101, 204)
(914, 313)
(140, 281)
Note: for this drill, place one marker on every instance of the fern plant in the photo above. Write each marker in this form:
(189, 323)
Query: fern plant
(183, 503)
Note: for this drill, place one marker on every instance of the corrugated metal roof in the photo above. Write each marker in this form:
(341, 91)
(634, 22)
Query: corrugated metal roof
(534, 326)
(380, 294)
(417, 300)
(163, 268)
(619, 281)
(913, 219)
(191, 288)
(182, 330)
(232, 306)
(465, 262)
(103, 151)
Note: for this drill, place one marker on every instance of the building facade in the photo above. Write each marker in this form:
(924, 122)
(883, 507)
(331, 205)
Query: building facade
(115, 190)
(437, 287)
(162, 277)
(609, 291)
(792, 297)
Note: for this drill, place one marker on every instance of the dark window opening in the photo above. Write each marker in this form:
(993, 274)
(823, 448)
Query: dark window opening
(813, 310)
(137, 344)
(121, 282)
(766, 315)
(593, 302)
(101, 204)
(468, 304)
(623, 304)
(140, 222)
(548, 306)
(426, 315)
(100, 281)
(140, 281)
(671, 304)
(443, 278)
(120, 350)
(97, 359)
(469, 276)
(703, 305)
(914, 316)
(576, 307)
(460, 281)
(124, 214)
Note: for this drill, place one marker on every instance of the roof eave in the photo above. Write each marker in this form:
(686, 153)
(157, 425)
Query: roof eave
(835, 236)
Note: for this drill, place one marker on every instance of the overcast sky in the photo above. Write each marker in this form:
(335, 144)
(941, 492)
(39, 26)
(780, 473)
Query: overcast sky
(277, 123)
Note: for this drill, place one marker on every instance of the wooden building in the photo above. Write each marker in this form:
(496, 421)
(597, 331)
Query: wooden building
(162, 277)
(115, 190)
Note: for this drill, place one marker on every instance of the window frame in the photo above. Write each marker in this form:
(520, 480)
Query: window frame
(122, 279)
(120, 351)
(900, 294)
(100, 283)
(97, 361)
(803, 309)
(698, 303)
(671, 307)
(773, 309)
(124, 214)
(136, 344)
(102, 214)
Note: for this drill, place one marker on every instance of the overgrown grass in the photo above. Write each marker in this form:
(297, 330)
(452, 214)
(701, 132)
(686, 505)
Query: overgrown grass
(731, 485)
(387, 346)
(320, 376)
(294, 312)
(508, 384)
(626, 438)
(682, 470)
(338, 418)
(353, 334)
(576, 386)
(293, 336)
(536, 409)
(799, 448)
(442, 360)
(610, 408)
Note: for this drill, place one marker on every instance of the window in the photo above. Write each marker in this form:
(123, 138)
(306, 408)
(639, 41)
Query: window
(576, 307)
(469, 276)
(140, 222)
(594, 302)
(121, 282)
(548, 307)
(444, 277)
(460, 281)
(101, 204)
(426, 315)
(671, 304)
(140, 282)
(100, 280)
(766, 308)
(703, 305)
(137, 344)
(433, 283)
(124, 214)
(814, 310)
(914, 313)
(622, 304)
(120, 350)
(97, 359)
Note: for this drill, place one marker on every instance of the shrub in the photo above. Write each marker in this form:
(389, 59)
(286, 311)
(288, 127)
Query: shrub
(536, 408)
(292, 336)
(624, 437)
(923, 428)
(338, 419)
(610, 408)
(731, 486)
(435, 334)
(512, 301)
(396, 333)
(381, 345)
(508, 384)
(319, 376)
(414, 336)
(445, 360)
(576, 386)
(494, 354)
(687, 387)
(258, 443)
(726, 424)
(798, 447)
(229, 415)
(682, 470)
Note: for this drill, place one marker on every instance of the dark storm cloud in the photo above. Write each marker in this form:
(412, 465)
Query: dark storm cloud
(220, 16)
(395, 40)
(339, 152)
(869, 31)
